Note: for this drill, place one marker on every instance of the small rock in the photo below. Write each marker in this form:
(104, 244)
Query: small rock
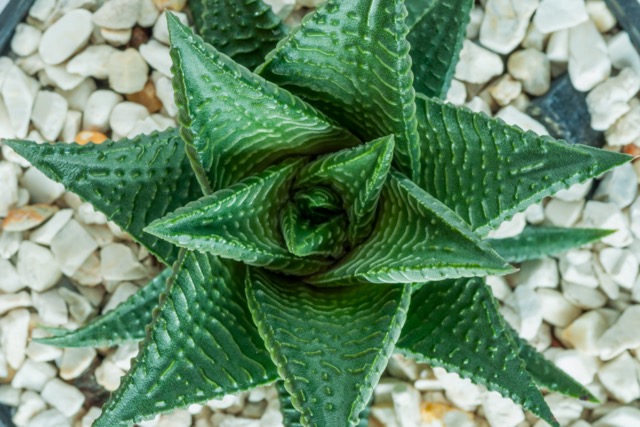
(164, 91)
(75, 361)
(621, 265)
(51, 307)
(505, 90)
(65, 37)
(505, 24)
(627, 12)
(61, 78)
(49, 111)
(121, 294)
(147, 97)
(62, 396)
(584, 332)
(71, 127)
(528, 306)
(41, 188)
(19, 92)
(25, 39)
(14, 328)
(117, 14)
(556, 309)
(563, 214)
(513, 116)
(116, 37)
(509, 228)
(157, 56)
(108, 375)
(128, 71)
(125, 115)
(49, 418)
(120, 263)
(475, 21)
(626, 130)
(37, 267)
(33, 375)
(92, 62)
(618, 186)
(535, 213)
(609, 100)
(87, 136)
(9, 279)
(79, 307)
(92, 414)
(625, 416)
(565, 409)
(607, 216)
(79, 96)
(534, 39)
(9, 182)
(72, 246)
(532, 68)
(583, 297)
(539, 273)
(161, 29)
(89, 273)
(577, 267)
(555, 15)
(98, 110)
(45, 234)
(9, 396)
(41, 352)
(176, 5)
(600, 15)
(148, 13)
(622, 335)
(622, 53)
(457, 94)
(589, 62)
(618, 378)
(9, 243)
(579, 366)
(10, 301)
(500, 411)
(575, 193)
(406, 401)
(30, 404)
(477, 64)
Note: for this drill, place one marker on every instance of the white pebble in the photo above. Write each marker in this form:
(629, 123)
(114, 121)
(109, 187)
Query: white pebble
(92, 62)
(9, 183)
(607, 216)
(584, 297)
(558, 46)
(621, 265)
(539, 273)
(49, 112)
(116, 37)
(117, 14)
(10, 301)
(161, 29)
(45, 233)
(584, 332)
(98, 110)
(25, 39)
(513, 116)
(72, 246)
(554, 15)
(51, 307)
(125, 116)
(580, 367)
(556, 309)
(505, 90)
(128, 71)
(121, 294)
(72, 123)
(108, 375)
(9, 243)
(626, 130)
(33, 375)
(532, 68)
(609, 100)
(505, 23)
(50, 418)
(14, 330)
(477, 64)
(457, 94)
(600, 14)
(37, 267)
(563, 214)
(589, 62)
(500, 411)
(164, 92)
(41, 188)
(65, 37)
(576, 266)
(9, 279)
(576, 192)
(59, 77)
(30, 404)
(529, 308)
(19, 91)
(622, 52)
(62, 396)
(623, 335)
(75, 361)
(148, 13)
(616, 377)
(157, 56)
(625, 416)
(509, 228)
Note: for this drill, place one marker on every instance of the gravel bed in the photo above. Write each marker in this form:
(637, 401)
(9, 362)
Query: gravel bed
(81, 70)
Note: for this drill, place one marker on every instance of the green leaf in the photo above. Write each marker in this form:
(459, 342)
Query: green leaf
(132, 181)
(351, 60)
(539, 242)
(486, 170)
(244, 30)
(126, 322)
(436, 40)
(202, 345)
(415, 10)
(330, 346)
(416, 239)
(548, 375)
(304, 238)
(237, 123)
(455, 324)
(241, 222)
(356, 174)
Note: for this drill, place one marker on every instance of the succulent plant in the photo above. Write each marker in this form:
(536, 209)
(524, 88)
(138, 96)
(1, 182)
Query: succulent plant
(320, 213)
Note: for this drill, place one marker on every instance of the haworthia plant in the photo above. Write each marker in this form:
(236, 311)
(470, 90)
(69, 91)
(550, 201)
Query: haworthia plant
(320, 213)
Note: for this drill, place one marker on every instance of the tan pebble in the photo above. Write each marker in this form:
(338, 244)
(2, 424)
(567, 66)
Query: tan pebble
(176, 5)
(631, 149)
(27, 217)
(87, 136)
(147, 97)
(434, 411)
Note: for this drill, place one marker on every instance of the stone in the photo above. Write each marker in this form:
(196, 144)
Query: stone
(161, 29)
(26, 39)
(509, 228)
(116, 37)
(513, 116)
(534, 39)
(563, 214)
(532, 68)
(108, 375)
(500, 411)
(79, 96)
(622, 53)
(621, 265)
(123, 355)
(457, 93)
(49, 111)
(14, 331)
(33, 375)
(176, 5)
(625, 416)
(19, 92)
(576, 192)
(121, 294)
(477, 65)
(406, 401)
(565, 409)
(92, 62)
(475, 21)
(556, 309)
(584, 297)
(62, 396)
(600, 15)
(117, 14)
(627, 12)
(72, 123)
(9, 396)
(619, 186)
(584, 332)
(147, 97)
(505, 90)
(89, 272)
(535, 213)
(51, 307)
(157, 56)
(120, 263)
(580, 367)
(48, 418)
(128, 71)
(609, 100)
(79, 307)
(618, 378)
(577, 267)
(125, 115)
(41, 352)
(607, 216)
(9, 243)
(626, 130)
(45, 233)
(147, 127)
(528, 306)
(92, 414)
(65, 37)
(89, 136)
(37, 267)
(164, 92)
(539, 273)
(30, 405)
(555, 15)
(622, 335)
(505, 24)
(9, 182)
(87, 214)
(75, 361)
(9, 279)
(148, 13)
(41, 188)
(72, 246)
(98, 110)
(589, 62)
(10, 301)
(58, 76)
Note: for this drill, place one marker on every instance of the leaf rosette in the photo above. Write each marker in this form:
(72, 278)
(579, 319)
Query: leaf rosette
(319, 213)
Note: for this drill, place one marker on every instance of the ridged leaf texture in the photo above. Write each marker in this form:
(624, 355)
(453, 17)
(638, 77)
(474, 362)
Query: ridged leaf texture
(539, 242)
(351, 59)
(304, 237)
(235, 122)
(241, 223)
(455, 324)
(416, 239)
(127, 322)
(202, 345)
(357, 175)
(415, 10)
(330, 346)
(131, 181)
(436, 40)
(486, 170)
(244, 30)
